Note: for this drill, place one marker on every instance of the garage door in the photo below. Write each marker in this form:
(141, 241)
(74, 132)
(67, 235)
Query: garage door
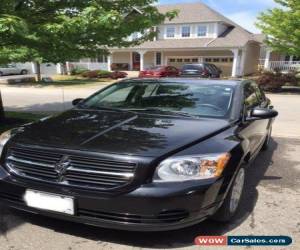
(224, 63)
(178, 62)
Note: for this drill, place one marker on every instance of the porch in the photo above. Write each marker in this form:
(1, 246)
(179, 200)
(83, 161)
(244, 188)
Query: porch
(283, 66)
(232, 62)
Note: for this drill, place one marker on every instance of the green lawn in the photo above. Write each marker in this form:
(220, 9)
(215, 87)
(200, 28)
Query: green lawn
(66, 80)
(14, 119)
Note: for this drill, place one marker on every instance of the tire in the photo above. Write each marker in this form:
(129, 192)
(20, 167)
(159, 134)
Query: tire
(232, 201)
(266, 144)
(24, 72)
(1, 73)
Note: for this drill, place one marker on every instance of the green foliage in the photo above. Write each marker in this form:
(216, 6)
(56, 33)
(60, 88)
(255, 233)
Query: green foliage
(78, 71)
(282, 27)
(56, 31)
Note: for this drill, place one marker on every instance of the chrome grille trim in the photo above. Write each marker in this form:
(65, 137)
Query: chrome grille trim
(12, 158)
(83, 171)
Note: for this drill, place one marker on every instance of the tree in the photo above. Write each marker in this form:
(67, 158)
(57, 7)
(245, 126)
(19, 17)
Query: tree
(282, 27)
(57, 31)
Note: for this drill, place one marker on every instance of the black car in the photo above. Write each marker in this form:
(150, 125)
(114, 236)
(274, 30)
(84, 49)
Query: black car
(141, 154)
(203, 70)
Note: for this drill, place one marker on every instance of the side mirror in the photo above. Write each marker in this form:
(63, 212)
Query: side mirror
(76, 101)
(262, 113)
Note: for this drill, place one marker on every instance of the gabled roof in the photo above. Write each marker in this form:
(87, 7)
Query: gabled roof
(235, 36)
(194, 13)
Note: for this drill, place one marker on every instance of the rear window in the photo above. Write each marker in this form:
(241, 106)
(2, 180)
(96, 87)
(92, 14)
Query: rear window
(192, 66)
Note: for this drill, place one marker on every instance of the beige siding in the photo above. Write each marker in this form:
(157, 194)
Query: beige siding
(149, 59)
(251, 59)
(121, 57)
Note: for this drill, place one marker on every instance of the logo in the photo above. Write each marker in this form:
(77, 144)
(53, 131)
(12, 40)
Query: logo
(62, 166)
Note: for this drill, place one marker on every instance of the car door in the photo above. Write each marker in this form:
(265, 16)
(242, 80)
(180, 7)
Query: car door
(254, 131)
(12, 69)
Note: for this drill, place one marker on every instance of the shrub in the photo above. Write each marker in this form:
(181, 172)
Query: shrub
(104, 74)
(78, 71)
(273, 81)
(90, 74)
(118, 74)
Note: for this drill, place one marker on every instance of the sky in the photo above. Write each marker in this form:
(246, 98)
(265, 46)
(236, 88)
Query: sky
(243, 12)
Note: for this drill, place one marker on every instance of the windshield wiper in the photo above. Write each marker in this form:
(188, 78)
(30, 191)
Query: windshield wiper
(163, 111)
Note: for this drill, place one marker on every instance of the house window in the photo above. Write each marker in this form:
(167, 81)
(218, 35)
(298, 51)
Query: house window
(185, 31)
(100, 59)
(170, 32)
(172, 60)
(202, 31)
(207, 59)
(179, 60)
(194, 59)
(216, 60)
(224, 59)
(158, 58)
(187, 60)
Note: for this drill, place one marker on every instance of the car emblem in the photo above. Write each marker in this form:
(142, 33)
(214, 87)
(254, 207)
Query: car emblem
(62, 166)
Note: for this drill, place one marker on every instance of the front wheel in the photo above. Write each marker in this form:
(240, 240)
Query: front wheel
(232, 201)
(24, 72)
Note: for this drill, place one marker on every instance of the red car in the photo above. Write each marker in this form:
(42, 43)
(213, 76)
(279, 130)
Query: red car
(160, 71)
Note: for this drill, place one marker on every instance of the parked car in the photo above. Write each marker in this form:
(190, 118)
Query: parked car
(12, 69)
(141, 154)
(160, 71)
(205, 70)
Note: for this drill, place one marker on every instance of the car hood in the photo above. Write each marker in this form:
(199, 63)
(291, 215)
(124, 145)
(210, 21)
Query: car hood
(118, 132)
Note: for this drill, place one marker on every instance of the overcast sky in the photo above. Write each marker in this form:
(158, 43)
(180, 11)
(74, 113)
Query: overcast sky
(243, 12)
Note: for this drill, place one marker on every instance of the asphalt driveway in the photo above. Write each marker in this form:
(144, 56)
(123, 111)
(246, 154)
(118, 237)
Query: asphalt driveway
(271, 205)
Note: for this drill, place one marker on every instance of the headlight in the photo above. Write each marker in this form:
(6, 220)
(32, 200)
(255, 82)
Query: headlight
(4, 139)
(194, 167)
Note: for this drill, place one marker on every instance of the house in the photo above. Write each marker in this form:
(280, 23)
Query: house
(273, 60)
(197, 34)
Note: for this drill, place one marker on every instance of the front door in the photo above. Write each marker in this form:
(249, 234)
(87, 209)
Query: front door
(136, 59)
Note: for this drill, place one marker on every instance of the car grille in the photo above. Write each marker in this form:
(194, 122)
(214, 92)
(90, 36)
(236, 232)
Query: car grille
(169, 216)
(69, 169)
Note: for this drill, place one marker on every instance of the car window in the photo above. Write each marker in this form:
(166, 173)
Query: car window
(208, 100)
(250, 98)
(259, 93)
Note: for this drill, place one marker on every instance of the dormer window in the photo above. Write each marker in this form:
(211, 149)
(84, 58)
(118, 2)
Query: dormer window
(170, 31)
(202, 31)
(185, 31)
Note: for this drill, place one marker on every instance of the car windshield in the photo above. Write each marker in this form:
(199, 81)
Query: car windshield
(189, 98)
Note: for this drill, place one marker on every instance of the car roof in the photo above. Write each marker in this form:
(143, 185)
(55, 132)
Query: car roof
(187, 80)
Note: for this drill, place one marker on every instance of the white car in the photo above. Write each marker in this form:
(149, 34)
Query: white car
(12, 69)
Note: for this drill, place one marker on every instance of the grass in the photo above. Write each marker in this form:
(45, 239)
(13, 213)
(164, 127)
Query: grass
(66, 80)
(15, 119)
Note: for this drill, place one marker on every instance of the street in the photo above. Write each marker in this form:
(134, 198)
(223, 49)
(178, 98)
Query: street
(270, 205)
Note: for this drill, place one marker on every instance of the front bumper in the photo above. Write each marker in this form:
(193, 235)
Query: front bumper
(150, 207)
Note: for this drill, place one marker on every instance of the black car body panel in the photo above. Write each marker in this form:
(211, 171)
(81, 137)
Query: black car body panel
(124, 141)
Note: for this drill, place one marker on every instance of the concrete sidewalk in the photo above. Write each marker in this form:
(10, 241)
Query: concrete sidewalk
(46, 99)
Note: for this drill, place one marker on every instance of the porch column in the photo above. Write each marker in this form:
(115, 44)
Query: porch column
(142, 52)
(267, 59)
(109, 61)
(242, 63)
(235, 62)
